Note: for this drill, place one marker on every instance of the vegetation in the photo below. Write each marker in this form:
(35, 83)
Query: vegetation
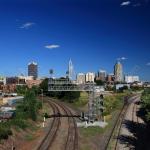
(21, 90)
(146, 104)
(112, 103)
(27, 109)
(44, 86)
(136, 88)
(69, 96)
(91, 131)
(100, 82)
(83, 99)
(4, 131)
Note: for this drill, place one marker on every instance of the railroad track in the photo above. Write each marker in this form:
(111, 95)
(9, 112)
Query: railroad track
(72, 135)
(72, 138)
(135, 118)
(115, 134)
(52, 132)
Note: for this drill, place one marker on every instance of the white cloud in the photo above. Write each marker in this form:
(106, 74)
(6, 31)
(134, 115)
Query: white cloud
(148, 64)
(126, 3)
(27, 25)
(52, 46)
(121, 58)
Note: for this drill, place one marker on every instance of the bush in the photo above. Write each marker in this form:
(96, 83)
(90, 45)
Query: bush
(5, 131)
(18, 122)
(146, 104)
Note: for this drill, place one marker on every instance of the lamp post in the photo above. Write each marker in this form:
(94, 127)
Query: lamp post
(42, 107)
(42, 98)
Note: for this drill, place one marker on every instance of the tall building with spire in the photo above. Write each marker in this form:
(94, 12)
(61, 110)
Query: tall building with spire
(118, 72)
(70, 69)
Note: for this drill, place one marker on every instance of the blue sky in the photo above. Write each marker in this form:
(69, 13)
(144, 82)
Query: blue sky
(93, 33)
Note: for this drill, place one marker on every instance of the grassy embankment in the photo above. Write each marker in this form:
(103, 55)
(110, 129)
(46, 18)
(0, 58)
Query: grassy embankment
(28, 117)
(113, 105)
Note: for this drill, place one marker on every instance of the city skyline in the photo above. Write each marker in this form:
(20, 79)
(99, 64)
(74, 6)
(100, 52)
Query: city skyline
(51, 33)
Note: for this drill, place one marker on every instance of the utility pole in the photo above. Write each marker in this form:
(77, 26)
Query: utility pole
(42, 107)
(42, 98)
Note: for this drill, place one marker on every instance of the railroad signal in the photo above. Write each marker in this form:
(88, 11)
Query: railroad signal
(82, 115)
(46, 115)
(101, 96)
(101, 103)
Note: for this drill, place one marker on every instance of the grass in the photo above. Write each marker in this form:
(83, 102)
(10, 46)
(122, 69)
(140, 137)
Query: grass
(91, 131)
(33, 127)
(29, 137)
(86, 147)
(83, 99)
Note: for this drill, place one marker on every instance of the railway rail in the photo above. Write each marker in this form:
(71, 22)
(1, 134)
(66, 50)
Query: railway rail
(71, 142)
(113, 141)
(72, 138)
(135, 118)
(51, 134)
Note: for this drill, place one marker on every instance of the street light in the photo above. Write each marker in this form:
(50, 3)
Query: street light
(42, 106)
(42, 97)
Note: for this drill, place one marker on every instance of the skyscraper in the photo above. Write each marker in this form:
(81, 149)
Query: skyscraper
(81, 78)
(33, 70)
(102, 75)
(90, 77)
(118, 72)
(110, 78)
(70, 70)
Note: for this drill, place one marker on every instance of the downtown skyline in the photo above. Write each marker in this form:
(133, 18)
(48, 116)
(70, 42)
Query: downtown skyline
(93, 34)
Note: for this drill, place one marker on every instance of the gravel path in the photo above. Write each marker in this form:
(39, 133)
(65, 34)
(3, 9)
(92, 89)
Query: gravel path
(127, 136)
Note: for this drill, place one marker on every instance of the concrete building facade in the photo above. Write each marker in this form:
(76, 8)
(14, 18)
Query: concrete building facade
(80, 78)
(90, 77)
(101, 75)
(131, 79)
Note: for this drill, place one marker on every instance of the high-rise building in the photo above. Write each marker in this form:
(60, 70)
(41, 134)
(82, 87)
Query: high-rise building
(81, 78)
(118, 72)
(90, 77)
(70, 70)
(110, 78)
(101, 75)
(33, 70)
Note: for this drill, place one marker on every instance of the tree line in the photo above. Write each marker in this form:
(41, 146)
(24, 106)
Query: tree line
(145, 98)
(26, 109)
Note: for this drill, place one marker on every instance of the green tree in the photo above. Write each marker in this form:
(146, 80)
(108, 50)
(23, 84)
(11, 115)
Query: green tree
(146, 104)
(100, 82)
(21, 89)
(71, 96)
(31, 103)
(44, 85)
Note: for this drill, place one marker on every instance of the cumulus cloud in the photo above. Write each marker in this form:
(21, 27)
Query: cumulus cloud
(27, 25)
(53, 46)
(126, 3)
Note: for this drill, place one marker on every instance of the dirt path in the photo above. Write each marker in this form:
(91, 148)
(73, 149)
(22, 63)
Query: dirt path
(128, 133)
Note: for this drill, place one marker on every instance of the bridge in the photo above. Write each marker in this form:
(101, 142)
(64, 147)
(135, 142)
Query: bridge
(65, 84)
